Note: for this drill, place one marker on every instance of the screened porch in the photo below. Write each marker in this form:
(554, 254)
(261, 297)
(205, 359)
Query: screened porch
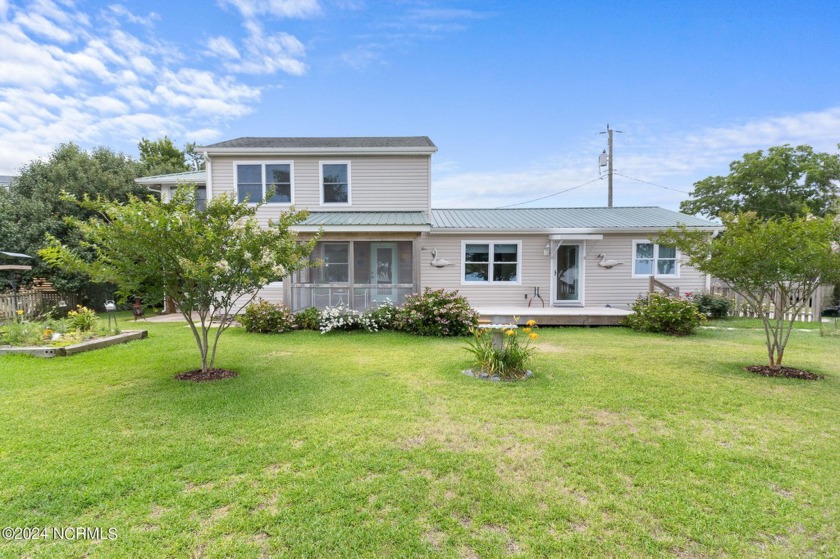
(356, 274)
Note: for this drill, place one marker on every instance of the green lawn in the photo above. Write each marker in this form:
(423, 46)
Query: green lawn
(375, 445)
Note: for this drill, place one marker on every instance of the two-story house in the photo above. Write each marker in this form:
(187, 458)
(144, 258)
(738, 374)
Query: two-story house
(381, 239)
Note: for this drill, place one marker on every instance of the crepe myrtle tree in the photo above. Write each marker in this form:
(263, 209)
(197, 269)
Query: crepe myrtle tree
(776, 265)
(211, 262)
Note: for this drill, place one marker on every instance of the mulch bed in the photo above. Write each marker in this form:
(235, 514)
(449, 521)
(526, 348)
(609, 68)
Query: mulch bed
(205, 376)
(786, 372)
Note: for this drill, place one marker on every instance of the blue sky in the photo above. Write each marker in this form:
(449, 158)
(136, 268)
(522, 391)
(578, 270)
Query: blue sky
(513, 93)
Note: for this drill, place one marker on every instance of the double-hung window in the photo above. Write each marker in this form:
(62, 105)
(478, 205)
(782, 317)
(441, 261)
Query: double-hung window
(254, 181)
(491, 262)
(335, 182)
(652, 259)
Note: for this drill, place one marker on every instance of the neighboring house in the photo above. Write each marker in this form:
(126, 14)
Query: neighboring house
(381, 240)
(6, 180)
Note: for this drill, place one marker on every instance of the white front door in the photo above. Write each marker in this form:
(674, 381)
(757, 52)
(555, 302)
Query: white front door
(384, 271)
(567, 274)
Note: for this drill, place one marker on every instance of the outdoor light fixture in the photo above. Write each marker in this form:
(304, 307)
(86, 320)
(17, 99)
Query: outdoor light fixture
(547, 249)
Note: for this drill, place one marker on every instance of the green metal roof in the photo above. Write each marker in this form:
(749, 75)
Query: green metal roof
(327, 219)
(197, 177)
(531, 219)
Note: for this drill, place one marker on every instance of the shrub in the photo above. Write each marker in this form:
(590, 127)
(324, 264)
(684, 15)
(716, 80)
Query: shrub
(384, 317)
(711, 305)
(265, 317)
(340, 318)
(437, 313)
(82, 319)
(308, 319)
(509, 361)
(660, 313)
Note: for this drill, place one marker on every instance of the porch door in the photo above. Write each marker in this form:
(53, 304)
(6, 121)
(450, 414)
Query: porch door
(568, 277)
(384, 272)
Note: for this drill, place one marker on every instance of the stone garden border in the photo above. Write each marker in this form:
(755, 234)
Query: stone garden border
(76, 348)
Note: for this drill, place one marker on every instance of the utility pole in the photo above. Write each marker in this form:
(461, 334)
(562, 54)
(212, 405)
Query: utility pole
(609, 134)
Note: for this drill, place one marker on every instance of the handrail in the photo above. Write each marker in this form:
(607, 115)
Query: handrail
(653, 283)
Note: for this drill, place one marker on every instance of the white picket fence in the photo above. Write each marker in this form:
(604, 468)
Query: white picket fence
(809, 313)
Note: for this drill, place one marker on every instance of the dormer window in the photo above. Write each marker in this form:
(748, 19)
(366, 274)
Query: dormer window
(335, 182)
(255, 180)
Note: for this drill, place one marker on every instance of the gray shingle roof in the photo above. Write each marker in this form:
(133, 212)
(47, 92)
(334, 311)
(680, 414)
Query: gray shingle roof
(366, 218)
(562, 218)
(327, 143)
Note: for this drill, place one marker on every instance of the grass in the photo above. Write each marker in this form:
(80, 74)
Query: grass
(375, 445)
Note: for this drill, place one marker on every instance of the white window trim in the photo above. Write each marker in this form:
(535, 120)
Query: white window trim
(321, 183)
(655, 259)
(464, 244)
(263, 163)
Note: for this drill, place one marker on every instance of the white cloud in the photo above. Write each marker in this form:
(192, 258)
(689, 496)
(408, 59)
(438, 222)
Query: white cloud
(121, 13)
(223, 47)
(277, 8)
(61, 82)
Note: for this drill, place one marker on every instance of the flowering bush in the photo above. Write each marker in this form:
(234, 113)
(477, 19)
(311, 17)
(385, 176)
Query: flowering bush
(437, 313)
(265, 317)
(308, 319)
(341, 318)
(82, 319)
(384, 317)
(508, 359)
(660, 313)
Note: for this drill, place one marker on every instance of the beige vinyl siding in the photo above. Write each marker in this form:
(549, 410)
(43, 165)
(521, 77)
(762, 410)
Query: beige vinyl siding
(534, 269)
(615, 287)
(377, 183)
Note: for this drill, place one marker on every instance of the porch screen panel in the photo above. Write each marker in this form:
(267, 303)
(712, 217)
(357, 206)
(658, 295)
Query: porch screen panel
(406, 261)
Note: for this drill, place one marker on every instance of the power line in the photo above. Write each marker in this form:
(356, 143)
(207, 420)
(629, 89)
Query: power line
(549, 195)
(651, 183)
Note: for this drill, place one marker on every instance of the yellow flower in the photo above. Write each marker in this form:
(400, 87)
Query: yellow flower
(20, 312)
(526, 330)
(531, 323)
(510, 332)
(533, 335)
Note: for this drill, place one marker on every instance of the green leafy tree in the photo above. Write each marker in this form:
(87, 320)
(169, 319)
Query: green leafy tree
(195, 158)
(33, 207)
(775, 265)
(785, 181)
(161, 157)
(211, 262)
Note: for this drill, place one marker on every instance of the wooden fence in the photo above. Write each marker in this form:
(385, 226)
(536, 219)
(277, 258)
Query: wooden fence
(31, 301)
(810, 312)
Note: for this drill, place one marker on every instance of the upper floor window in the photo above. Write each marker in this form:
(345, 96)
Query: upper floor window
(651, 259)
(335, 183)
(255, 180)
(491, 262)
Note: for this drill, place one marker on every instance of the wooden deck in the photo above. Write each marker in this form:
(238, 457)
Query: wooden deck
(554, 316)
